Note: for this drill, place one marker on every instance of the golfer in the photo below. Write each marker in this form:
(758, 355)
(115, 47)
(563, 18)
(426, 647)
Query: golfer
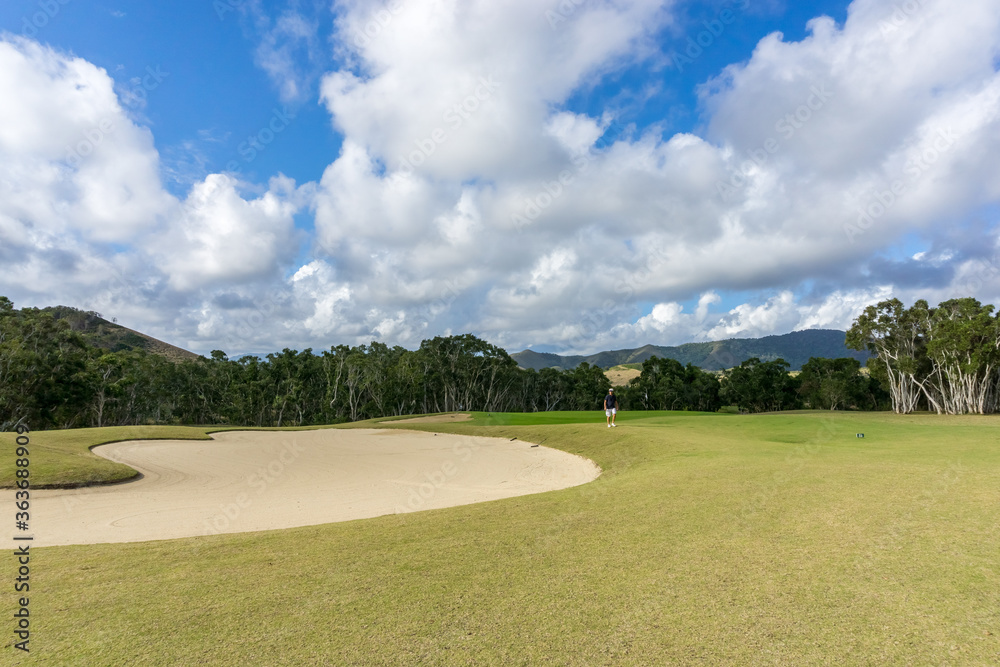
(611, 407)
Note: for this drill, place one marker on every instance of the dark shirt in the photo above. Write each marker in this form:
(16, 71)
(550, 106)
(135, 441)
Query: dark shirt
(610, 401)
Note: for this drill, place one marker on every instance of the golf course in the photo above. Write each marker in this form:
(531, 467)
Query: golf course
(769, 539)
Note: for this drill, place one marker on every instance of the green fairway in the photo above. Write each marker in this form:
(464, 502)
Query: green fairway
(570, 417)
(777, 539)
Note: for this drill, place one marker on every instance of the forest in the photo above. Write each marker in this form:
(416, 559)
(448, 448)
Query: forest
(943, 359)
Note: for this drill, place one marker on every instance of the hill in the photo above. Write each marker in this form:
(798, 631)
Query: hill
(620, 375)
(113, 337)
(795, 348)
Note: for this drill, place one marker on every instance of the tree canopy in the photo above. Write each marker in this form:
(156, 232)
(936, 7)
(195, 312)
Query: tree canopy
(946, 359)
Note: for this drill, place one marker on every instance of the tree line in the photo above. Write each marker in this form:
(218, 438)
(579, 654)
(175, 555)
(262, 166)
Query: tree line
(50, 377)
(945, 359)
(754, 386)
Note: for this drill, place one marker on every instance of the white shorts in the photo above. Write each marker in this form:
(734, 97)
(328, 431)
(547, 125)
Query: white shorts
(612, 411)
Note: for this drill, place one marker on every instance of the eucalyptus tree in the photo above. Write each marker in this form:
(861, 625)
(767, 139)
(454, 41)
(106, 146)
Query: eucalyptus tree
(758, 386)
(832, 384)
(897, 339)
(253, 399)
(949, 355)
(407, 382)
(964, 348)
(664, 384)
(334, 365)
(295, 386)
(130, 387)
(355, 382)
(552, 389)
(589, 386)
(42, 370)
(466, 373)
(701, 389)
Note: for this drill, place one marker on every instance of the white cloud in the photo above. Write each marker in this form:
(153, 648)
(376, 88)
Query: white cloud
(397, 201)
(851, 110)
(317, 284)
(669, 324)
(289, 52)
(71, 161)
(219, 237)
(84, 216)
(779, 313)
(482, 75)
(575, 132)
(468, 196)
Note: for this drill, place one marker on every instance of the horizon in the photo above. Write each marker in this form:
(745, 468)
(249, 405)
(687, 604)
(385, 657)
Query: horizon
(588, 176)
(694, 342)
(590, 354)
(262, 355)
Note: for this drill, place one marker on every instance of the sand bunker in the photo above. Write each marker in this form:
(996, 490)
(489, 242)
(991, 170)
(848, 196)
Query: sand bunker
(247, 481)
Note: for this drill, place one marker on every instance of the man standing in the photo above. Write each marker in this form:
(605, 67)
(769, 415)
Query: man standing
(611, 407)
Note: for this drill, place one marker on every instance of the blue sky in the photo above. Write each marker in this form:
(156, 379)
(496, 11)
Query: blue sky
(570, 176)
(213, 96)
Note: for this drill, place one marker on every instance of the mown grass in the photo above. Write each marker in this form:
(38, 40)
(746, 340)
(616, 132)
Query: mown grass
(570, 417)
(710, 539)
(63, 458)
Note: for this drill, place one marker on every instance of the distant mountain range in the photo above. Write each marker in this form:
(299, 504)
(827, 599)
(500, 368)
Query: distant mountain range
(795, 348)
(113, 337)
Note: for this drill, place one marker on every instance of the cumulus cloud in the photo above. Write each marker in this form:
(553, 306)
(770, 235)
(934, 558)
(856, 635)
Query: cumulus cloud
(669, 324)
(316, 283)
(575, 132)
(219, 237)
(892, 97)
(813, 161)
(85, 219)
(470, 196)
(71, 160)
(477, 79)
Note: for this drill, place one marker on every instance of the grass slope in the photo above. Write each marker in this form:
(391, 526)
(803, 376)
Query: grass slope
(709, 539)
(621, 375)
(113, 337)
(61, 459)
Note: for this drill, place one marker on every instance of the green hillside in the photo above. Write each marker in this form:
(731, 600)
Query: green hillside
(113, 337)
(796, 348)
